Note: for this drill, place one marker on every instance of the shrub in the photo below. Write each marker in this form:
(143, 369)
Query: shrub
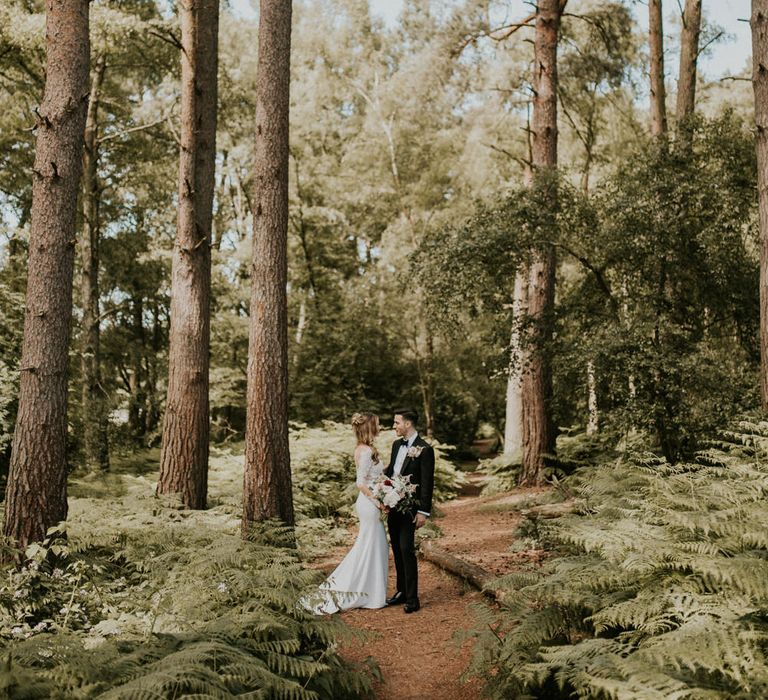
(660, 589)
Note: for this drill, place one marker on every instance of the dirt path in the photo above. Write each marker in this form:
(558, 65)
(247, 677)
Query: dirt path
(417, 653)
(480, 529)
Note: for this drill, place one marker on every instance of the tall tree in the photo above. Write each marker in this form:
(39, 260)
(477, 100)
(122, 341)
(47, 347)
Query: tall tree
(538, 429)
(267, 480)
(689, 54)
(759, 23)
(658, 91)
(95, 438)
(513, 414)
(513, 418)
(36, 496)
(186, 427)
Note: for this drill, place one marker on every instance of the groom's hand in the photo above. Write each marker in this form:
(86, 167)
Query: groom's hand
(420, 520)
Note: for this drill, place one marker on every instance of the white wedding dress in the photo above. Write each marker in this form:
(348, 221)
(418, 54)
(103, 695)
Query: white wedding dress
(360, 581)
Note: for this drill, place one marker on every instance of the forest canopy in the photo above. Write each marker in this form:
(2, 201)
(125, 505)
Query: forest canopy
(408, 167)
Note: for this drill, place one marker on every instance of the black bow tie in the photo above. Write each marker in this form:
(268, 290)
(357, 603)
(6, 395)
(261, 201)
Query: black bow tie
(404, 443)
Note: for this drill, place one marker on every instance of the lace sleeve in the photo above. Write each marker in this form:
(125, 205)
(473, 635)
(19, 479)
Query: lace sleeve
(363, 462)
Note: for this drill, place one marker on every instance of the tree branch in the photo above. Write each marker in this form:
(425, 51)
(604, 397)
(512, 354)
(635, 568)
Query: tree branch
(140, 127)
(596, 271)
(505, 152)
(709, 43)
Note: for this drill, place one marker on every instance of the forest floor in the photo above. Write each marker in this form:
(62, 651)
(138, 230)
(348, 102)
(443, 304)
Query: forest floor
(418, 654)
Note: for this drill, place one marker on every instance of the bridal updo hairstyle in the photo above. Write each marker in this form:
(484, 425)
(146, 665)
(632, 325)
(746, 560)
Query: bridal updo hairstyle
(366, 426)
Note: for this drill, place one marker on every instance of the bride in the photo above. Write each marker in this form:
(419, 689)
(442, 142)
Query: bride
(360, 581)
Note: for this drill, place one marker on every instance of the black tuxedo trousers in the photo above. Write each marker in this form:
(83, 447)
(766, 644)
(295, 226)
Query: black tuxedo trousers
(402, 531)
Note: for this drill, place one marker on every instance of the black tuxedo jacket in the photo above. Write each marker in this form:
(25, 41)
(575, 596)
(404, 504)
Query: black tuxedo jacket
(421, 469)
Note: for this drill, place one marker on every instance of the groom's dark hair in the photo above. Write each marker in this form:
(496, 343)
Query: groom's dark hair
(408, 414)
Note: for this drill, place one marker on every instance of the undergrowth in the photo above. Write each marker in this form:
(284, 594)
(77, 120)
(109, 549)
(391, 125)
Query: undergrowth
(135, 597)
(574, 451)
(659, 589)
(141, 600)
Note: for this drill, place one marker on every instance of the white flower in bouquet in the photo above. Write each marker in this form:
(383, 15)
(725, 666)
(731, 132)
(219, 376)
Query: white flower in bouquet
(396, 492)
(391, 499)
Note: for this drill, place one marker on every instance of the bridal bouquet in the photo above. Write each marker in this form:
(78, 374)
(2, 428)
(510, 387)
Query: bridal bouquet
(395, 492)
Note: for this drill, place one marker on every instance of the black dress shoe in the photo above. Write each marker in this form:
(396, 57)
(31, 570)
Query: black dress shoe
(397, 599)
(411, 607)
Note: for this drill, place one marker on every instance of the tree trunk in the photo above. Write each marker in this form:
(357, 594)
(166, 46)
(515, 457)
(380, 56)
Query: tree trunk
(96, 445)
(137, 402)
(538, 431)
(658, 91)
(513, 422)
(686, 82)
(267, 480)
(184, 458)
(592, 414)
(300, 326)
(513, 425)
(689, 53)
(152, 412)
(427, 375)
(36, 495)
(759, 24)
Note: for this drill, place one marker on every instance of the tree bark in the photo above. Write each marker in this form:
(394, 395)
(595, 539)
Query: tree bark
(658, 91)
(186, 427)
(538, 430)
(759, 23)
(267, 480)
(593, 422)
(137, 402)
(36, 495)
(513, 424)
(686, 82)
(95, 438)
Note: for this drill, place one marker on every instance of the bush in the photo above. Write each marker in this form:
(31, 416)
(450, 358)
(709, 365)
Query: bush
(660, 589)
(140, 598)
(146, 600)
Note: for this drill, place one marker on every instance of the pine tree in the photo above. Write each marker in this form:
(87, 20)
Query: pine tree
(267, 480)
(538, 430)
(658, 90)
(36, 496)
(759, 24)
(689, 54)
(95, 437)
(184, 459)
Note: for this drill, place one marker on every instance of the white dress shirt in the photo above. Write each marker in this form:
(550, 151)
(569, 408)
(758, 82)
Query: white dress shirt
(400, 460)
(402, 453)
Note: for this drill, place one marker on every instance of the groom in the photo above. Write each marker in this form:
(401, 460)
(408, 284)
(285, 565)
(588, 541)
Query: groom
(414, 456)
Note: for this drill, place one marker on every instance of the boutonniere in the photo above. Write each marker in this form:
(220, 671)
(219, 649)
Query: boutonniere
(414, 452)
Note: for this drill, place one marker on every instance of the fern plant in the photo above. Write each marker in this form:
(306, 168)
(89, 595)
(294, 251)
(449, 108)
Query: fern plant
(659, 589)
(145, 600)
(198, 612)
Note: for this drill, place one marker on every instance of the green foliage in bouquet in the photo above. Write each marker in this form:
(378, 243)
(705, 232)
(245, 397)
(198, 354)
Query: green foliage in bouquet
(659, 589)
